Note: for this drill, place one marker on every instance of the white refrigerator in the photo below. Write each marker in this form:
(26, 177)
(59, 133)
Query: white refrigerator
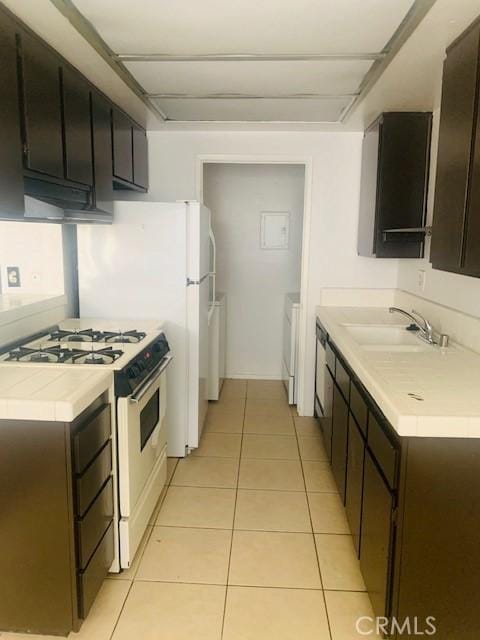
(153, 262)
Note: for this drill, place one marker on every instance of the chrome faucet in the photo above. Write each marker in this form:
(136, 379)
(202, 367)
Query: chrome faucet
(426, 329)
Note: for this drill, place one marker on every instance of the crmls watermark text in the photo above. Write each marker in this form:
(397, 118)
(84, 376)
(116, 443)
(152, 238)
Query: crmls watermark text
(367, 626)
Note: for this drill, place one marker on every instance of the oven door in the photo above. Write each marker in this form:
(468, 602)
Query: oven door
(142, 437)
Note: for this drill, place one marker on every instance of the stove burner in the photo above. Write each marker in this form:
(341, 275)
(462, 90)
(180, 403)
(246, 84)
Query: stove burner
(132, 336)
(94, 359)
(26, 354)
(85, 335)
(100, 356)
(40, 356)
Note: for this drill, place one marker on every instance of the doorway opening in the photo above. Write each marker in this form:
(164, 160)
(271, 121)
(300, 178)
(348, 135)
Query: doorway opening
(258, 219)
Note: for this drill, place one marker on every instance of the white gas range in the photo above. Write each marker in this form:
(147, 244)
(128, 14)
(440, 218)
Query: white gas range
(138, 359)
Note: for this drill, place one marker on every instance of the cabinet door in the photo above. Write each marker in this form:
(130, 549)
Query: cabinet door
(376, 548)
(42, 108)
(122, 146)
(355, 462)
(77, 127)
(339, 440)
(327, 419)
(11, 169)
(102, 153)
(471, 263)
(140, 158)
(453, 161)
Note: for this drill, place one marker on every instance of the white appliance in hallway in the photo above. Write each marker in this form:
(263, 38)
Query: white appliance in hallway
(154, 262)
(217, 330)
(290, 345)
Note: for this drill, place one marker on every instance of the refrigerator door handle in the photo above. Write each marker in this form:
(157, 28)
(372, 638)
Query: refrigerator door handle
(196, 282)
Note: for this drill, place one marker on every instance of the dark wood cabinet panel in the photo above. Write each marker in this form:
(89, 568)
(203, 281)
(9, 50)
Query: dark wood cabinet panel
(77, 127)
(140, 158)
(376, 537)
(471, 263)
(122, 136)
(42, 110)
(57, 559)
(453, 162)
(11, 167)
(339, 440)
(327, 420)
(439, 525)
(394, 184)
(354, 489)
(102, 152)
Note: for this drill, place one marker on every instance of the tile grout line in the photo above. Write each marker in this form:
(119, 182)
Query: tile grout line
(234, 511)
(313, 534)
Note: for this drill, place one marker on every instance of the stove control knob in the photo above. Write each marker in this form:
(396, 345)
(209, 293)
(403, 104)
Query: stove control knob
(131, 373)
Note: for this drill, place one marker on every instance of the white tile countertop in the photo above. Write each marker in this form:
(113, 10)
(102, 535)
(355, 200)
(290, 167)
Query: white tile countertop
(39, 393)
(447, 381)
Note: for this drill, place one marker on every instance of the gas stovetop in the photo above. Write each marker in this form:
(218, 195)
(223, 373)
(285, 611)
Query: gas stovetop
(93, 335)
(132, 355)
(63, 355)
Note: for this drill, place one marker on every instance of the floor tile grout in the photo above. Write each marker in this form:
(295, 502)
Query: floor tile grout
(234, 514)
(314, 539)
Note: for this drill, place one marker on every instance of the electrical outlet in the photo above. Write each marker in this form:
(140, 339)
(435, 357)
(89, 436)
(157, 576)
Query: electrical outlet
(421, 278)
(13, 276)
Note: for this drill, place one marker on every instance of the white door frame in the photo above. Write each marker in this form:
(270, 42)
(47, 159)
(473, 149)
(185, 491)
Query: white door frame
(303, 403)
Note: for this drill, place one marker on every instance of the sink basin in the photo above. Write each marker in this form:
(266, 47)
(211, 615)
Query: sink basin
(386, 338)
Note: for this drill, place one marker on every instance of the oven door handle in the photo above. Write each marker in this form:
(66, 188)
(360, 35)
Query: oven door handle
(151, 380)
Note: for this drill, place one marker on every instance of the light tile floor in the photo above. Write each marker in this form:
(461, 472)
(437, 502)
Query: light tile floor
(250, 541)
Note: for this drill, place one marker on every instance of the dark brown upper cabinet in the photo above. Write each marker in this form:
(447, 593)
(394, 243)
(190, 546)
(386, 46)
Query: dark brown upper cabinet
(140, 158)
(11, 168)
(122, 146)
(102, 152)
(42, 110)
(456, 216)
(395, 164)
(77, 127)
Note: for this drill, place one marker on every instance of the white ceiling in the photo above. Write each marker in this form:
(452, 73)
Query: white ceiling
(261, 60)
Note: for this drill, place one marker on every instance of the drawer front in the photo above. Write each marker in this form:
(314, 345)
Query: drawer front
(89, 484)
(92, 526)
(90, 580)
(383, 450)
(358, 407)
(330, 357)
(343, 380)
(91, 437)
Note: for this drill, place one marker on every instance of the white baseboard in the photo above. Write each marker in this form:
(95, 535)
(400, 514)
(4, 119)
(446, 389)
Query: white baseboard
(252, 376)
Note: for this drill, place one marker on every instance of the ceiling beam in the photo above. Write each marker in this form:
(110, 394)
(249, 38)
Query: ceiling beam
(85, 29)
(246, 57)
(415, 15)
(244, 96)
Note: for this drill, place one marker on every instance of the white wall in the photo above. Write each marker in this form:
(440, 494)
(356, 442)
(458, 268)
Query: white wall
(37, 249)
(254, 280)
(334, 190)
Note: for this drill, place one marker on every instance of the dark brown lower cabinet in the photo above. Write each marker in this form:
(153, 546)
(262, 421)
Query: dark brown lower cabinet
(354, 488)
(339, 440)
(56, 526)
(327, 420)
(413, 505)
(376, 537)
